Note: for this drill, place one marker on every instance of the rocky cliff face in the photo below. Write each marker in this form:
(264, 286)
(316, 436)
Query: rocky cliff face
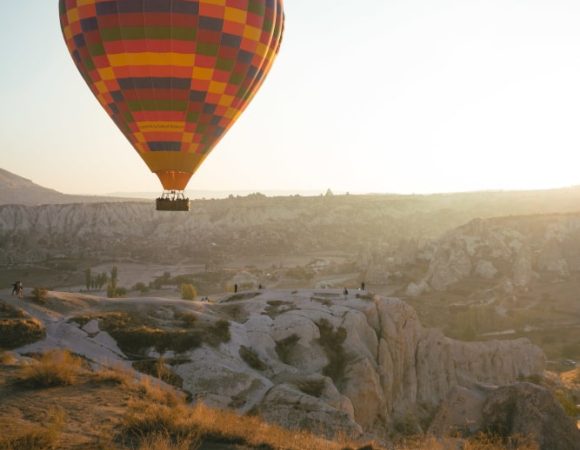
(320, 360)
(505, 252)
(255, 225)
(520, 248)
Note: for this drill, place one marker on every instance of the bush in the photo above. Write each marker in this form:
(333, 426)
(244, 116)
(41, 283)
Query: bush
(567, 403)
(150, 420)
(141, 287)
(39, 294)
(33, 437)
(284, 347)
(115, 374)
(55, 368)
(7, 358)
(158, 369)
(218, 333)
(251, 358)
(314, 388)
(188, 319)
(331, 342)
(188, 292)
(407, 425)
(113, 291)
(135, 338)
(15, 333)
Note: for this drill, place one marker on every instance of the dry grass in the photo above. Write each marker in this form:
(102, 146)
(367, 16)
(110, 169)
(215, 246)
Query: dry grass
(187, 426)
(164, 442)
(157, 421)
(479, 442)
(34, 437)
(117, 374)
(17, 328)
(159, 369)
(7, 358)
(54, 368)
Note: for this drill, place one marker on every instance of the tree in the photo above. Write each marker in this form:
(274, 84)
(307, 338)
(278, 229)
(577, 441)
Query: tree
(88, 279)
(101, 280)
(188, 292)
(114, 276)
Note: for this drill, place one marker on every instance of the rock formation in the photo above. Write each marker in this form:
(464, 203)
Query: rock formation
(514, 250)
(320, 360)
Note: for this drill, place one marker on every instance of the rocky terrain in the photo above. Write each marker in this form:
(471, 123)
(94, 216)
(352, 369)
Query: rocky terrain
(514, 251)
(323, 361)
(65, 226)
(516, 275)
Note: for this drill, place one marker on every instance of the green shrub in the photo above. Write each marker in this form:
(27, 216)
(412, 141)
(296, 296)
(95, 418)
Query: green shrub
(135, 335)
(407, 425)
(141, 287)
(331, 341)
(188, 319)
(313, 388)
(251, 358)
(218, 333)
(188, 292)
(284, 347)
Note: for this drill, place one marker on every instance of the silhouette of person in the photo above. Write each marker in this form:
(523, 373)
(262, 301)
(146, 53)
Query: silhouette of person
(345, 292)
(235, 288)
(362, 286)
(15, 287)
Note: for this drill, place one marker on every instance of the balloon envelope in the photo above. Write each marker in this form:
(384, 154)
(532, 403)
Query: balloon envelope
(174, 75)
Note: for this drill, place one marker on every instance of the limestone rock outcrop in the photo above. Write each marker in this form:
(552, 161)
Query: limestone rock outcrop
(529, 410)
(360, 362)
(320, 360)
(515, 250)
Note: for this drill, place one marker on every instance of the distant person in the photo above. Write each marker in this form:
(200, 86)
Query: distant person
(15, 288)
(260, 287)
(345, 292)
(18, 289)
(362, 286)
(235, 288)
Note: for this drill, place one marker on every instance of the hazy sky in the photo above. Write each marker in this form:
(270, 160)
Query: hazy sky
(366, 96)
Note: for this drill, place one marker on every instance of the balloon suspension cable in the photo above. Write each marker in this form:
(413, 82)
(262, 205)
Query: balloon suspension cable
(172, 200)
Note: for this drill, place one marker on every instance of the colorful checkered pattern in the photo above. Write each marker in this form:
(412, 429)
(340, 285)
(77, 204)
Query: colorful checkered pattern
(174, 75)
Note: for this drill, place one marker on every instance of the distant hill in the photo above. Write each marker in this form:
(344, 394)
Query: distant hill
(16, 190)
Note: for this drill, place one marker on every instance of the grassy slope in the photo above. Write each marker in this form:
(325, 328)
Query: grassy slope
(110, 409)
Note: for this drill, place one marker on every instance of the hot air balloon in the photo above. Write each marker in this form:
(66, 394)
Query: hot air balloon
(174, 75)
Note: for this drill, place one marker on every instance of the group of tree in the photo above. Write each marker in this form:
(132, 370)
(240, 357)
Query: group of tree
(113, 289)
(95, 281)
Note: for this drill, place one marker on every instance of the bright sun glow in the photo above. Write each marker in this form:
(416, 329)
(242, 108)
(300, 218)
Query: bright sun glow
(367, 96)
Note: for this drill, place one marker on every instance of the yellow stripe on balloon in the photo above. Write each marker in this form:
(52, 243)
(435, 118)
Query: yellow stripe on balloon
(151, 59)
